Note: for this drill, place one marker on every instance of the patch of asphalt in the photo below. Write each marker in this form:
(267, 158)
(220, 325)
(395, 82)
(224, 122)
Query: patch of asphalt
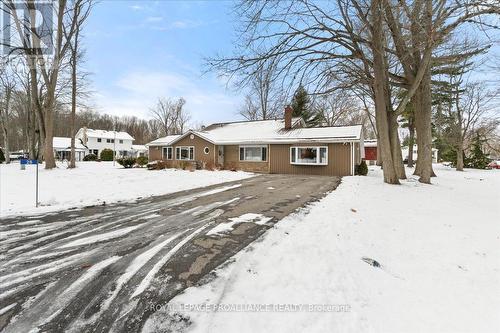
(106, 268)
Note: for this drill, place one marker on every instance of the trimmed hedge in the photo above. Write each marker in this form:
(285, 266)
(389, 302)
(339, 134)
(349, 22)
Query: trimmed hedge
(126, 162)
(142, 160)
(90, 157)
(362, 169)
(106, 155)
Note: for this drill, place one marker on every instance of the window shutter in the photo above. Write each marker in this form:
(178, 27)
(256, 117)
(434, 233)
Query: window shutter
(264, 153)
(242, 154)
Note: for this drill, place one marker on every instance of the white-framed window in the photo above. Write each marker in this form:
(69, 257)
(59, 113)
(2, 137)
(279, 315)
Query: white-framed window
(184, 153)
(121, 141)
(206, 150)
(253, 153)
(167, 153)
(99, 139)
(309, 155)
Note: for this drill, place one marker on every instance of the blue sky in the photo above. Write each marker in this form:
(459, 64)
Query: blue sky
(138, 51)
(141, 50)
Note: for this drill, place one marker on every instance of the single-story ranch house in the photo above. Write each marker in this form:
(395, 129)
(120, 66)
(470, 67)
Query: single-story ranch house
(266, 146)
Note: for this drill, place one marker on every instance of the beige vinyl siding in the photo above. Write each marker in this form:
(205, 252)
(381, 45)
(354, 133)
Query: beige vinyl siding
(155, 153)
(339, 160)
(232, 161)
(199, 145)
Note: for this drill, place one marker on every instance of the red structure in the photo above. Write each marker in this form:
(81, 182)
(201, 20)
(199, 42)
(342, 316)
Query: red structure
(371, 153)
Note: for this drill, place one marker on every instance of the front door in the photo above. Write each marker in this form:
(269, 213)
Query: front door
(220, 155)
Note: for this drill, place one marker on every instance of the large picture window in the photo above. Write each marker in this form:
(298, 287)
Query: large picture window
(167, 153)
(253, 153)
(309, 155)
(184, 153)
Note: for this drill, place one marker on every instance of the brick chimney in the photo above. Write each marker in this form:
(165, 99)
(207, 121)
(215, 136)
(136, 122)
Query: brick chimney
(288, 117)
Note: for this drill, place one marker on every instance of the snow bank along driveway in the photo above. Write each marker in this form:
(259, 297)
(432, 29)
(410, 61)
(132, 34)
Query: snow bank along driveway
(438, 247)
(107, 268)
(93, 183)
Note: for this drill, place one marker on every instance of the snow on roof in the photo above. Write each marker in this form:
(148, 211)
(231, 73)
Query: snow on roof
(65, 143)
(370, 143)
(166, 140)
(267, 131)
(272, 131)
(93, 133)
(139, 147)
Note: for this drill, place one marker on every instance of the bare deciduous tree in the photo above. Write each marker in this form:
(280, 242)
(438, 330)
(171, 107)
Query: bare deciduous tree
(264, 100)
(44, 69)
(81, 11)
(171, 115)
(7, 86)
(472, 109)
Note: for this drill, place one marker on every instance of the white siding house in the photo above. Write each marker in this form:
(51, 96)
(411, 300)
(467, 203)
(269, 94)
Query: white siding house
(405, 152)
(62, 148)
(97, 140)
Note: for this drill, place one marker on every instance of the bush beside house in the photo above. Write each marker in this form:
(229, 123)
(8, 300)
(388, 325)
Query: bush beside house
(126, 162)
(90, 157)
(106, 155)
(2, 156)
(142, 161)
(362, 169)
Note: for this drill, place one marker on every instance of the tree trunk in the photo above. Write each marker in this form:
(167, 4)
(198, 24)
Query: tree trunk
(397, 155)
(4, 118)
(380, 96)
(411, 129)
(6, 149)
(423, 117)
(74, 56)
(460, 158)
(50, 162)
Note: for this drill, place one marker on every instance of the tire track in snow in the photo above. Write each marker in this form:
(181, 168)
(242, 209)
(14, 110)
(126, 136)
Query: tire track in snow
(45, 311)
(148, 237)
(51, 267)
(100, 237)
(135, 265)
(149, 277)
(134, 268)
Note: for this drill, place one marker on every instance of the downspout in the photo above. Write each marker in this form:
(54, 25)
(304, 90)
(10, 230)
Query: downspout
(352, 159)
(269, 158)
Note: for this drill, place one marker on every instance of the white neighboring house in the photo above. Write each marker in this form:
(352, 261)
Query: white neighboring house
(139, 150)
(62, 148)
(405, 152)
(97, 140)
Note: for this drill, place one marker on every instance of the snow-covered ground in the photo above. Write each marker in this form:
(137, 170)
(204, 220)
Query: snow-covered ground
(438, 247)
(94, 183)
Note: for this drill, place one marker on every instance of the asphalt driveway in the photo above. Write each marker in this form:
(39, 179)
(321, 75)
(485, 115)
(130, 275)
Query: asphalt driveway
(105, 268)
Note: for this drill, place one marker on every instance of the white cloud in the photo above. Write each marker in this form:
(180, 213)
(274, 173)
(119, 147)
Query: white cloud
(136, 7)
(135, 92)
(185, 24)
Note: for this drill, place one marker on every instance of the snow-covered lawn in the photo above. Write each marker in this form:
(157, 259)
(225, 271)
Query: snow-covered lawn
(438, 246)
(94, 183)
